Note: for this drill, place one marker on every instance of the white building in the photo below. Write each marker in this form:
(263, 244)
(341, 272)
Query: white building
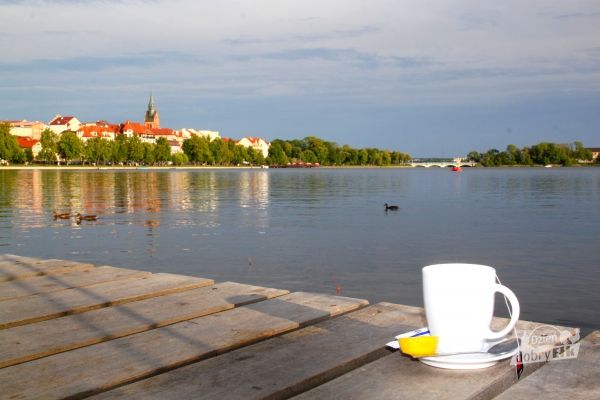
(257, 144)
(188, 132)
(29, 129)
(60, 124)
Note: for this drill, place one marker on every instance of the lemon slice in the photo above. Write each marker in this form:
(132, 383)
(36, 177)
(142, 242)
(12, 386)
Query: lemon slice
(420, 346)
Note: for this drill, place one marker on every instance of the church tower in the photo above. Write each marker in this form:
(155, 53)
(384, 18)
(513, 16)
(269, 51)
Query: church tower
(151, 120)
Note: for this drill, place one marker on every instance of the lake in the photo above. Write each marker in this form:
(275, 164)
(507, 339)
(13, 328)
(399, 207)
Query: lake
(325, 230)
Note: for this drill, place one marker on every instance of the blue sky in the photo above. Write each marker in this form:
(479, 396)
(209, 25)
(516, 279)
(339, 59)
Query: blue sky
(432, 78)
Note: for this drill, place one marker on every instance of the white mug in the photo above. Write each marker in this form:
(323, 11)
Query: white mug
(459, 305)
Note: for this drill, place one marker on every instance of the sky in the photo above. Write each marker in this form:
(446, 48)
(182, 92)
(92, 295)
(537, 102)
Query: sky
(431, 78)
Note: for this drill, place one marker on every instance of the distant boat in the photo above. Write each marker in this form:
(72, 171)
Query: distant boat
(457, 169)
(548, 166)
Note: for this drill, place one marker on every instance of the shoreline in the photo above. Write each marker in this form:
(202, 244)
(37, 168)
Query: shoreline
(209, 167)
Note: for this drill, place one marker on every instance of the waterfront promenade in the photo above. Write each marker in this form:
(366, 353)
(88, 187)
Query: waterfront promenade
(75, 330)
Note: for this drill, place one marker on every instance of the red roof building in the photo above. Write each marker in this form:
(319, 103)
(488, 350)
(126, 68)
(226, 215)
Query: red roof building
(60, 124)
(29, 143)
(129, 128)
(256, 143)
(108, 131)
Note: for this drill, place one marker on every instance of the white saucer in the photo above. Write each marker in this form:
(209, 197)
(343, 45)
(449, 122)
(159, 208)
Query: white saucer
(466, 361)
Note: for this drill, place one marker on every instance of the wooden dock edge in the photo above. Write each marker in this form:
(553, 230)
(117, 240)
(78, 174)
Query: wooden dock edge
(191, 338)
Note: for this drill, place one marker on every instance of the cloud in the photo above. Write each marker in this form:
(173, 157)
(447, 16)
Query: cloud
(92, 64)
(41, 3)
(304, 37)
(348, 53)
(578, 15)
(347, 56)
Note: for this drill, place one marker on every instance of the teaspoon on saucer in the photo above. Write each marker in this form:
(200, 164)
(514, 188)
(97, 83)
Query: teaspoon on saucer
(499, 349)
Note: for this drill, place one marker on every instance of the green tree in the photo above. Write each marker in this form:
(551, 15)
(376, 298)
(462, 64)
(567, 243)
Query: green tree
(549, 153)
(120, 149)
(136, 149)
(98, 150)
(313, 149)
(220, 152)
(474, 156)
(9, 146)
(28, 155)
(375, 157)
(49, 142)
(179, 159)
(197, 150)
(308, 156)
(318, 147)
(162, 150)
(523, 157)
(490, 158)
(579, 152)
(363, 157)
(239, 154)
(277, 155)
(386, 157)
(256, 157)
(149, 154)
(70, 147)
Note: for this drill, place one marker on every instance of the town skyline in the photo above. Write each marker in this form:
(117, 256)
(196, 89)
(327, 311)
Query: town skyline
(428, 79)
(29, 133)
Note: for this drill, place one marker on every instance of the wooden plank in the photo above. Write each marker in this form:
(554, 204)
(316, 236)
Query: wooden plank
(285, 365)
(577, 378)
(399, 377)
(6, 258)
(16, 267)
(52, 283)
(92, 369)
(29, 342)
(41, 307)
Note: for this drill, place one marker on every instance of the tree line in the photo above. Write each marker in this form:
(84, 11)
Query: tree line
(69, 148)
(9, 147)
(312, 149)
(540, 154)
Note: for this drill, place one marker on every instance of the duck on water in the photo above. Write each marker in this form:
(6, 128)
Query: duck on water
(85, 217)
(65, 215)
(387, 207)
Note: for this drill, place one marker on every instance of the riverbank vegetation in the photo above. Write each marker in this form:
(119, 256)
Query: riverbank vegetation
(69, 149)
(313, 150)
(540, 154)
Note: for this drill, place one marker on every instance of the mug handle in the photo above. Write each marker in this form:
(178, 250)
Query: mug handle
(516, 310)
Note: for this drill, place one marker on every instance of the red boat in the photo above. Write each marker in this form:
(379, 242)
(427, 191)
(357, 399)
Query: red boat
(456, 169)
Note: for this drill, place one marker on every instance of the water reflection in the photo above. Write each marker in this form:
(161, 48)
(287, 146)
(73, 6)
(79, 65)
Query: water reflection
(254, 198)
(184, 198)
(323, 229)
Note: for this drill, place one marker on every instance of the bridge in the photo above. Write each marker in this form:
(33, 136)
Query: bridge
(443, 164)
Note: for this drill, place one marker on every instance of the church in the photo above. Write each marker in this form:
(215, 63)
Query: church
(151, 120)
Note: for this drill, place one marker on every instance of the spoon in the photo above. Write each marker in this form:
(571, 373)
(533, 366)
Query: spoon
(499, 349)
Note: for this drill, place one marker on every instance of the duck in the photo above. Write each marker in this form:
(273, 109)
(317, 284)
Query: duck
(56, 215)
(391, 208)
(85, 217)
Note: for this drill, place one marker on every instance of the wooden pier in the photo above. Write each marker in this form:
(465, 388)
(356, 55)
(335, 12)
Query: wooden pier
(72, 330)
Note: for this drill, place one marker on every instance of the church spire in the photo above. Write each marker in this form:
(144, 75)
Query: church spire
(151, 102)
(151, 120)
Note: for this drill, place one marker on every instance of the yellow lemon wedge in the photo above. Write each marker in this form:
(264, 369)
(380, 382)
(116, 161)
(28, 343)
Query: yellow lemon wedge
(420, 346)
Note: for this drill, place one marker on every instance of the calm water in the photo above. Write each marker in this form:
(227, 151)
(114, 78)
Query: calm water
(318, 230)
